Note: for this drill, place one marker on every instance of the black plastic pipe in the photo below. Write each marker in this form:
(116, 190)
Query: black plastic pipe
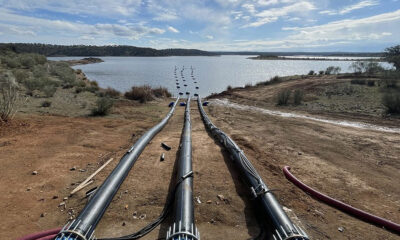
(183, 227)
(279, 225)
(82, 228)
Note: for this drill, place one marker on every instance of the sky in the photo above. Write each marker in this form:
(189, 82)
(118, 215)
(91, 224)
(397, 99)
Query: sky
(213, 25)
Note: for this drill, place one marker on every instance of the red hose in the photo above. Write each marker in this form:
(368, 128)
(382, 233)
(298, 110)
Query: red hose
(45, 235)
(360, 214)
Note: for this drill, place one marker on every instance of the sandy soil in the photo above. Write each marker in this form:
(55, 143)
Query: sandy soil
(359, 167)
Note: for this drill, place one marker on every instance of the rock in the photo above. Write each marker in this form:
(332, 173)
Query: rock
(65, 199)
(300, 153)
(209, 201)
(126, 191)
(221, 197)
(34, 173)
(55, 197)
(143, 216)
(126, 207)
(42, 215)
(123, 224)
(82, 170)
(212, 221)
(28, 189)
(340, 229)
(72, 169)
(198, 200)
(61, 204)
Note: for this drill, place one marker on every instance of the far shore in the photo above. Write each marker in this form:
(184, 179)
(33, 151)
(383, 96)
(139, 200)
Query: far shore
(261, 57)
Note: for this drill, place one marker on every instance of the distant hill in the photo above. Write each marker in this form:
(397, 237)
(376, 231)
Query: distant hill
(84, 50)
(325, 54)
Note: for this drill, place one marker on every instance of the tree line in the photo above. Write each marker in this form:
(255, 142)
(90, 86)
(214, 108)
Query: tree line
(87, 50)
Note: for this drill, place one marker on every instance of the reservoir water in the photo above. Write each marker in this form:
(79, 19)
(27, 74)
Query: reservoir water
(213, 74)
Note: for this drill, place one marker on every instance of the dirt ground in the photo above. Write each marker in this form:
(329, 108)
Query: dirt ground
(360, 167)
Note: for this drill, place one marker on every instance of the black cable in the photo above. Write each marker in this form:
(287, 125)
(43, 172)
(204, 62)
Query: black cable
(167, 208)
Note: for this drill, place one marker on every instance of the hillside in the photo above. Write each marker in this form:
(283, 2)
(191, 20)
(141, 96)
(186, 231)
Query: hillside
(84, 50)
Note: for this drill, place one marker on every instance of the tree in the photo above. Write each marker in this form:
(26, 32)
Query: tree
(392, 55)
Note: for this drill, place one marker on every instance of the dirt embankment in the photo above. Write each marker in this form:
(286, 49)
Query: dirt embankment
(357, 166)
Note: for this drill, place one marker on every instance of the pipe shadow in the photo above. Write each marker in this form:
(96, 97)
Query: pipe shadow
(164, 225)
(252, 216)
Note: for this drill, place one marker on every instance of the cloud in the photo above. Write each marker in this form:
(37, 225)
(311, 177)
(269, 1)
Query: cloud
(350, 8)
(273, 14)
(210, 37)
(172, 29)
(22, 25)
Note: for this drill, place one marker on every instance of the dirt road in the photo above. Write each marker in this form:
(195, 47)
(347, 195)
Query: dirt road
(360, 167)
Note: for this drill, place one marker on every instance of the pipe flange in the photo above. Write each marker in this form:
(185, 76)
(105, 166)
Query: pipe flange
(176, 231)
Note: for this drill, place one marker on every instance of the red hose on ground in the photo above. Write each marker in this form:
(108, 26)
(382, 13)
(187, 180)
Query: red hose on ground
(42, 235)
(360, 214)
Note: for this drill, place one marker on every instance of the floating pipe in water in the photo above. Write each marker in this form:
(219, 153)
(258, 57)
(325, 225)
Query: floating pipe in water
(82, 228)
(281, 227)
(183, 227)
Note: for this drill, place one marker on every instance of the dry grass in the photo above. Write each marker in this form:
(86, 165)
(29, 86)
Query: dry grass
(145, 93)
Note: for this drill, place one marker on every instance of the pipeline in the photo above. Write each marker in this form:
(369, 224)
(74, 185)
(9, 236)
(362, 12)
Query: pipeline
(358, 213)
(82, 228)
(280, 226)
(41, 235)
(183, 227)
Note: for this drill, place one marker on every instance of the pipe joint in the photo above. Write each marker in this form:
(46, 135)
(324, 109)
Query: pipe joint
(177, 232)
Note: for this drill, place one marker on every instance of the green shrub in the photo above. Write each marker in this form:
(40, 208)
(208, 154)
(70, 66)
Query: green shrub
(112, 93)
(229, 88)
(248, 85)
(391, 100)
(298, 96)
(39, 83)
(358, 81)
(39, 71)
(161, 92)
(45, 103)
(94, 84)
(49, 90)
(103, 107)
(283, 97)
(322, 72)
(20, 75)
(141, 93)
(11, 62)
(332, 70)
(311, 72)
(63, 71)
(26, 61)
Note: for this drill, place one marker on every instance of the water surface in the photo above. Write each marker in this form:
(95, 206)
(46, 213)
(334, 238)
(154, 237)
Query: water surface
(213, 74)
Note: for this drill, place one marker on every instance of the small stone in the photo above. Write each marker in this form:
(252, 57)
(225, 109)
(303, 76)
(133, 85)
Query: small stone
(212, 221)
(126, 191)
(126, 207)
(82, 170)
(61, 204)
(123, 224)
(28, 189)
(65, 198)
(143, 216)
(134, 213)
(34, 173)
(198, 200)
(55, 197)
(221, 197)
(41, 200)
(340, 229)
(72, 169)
(300, 153)
(42, 215)
(209, 201)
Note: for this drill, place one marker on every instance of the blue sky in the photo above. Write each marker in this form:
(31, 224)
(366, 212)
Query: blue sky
(227, 25)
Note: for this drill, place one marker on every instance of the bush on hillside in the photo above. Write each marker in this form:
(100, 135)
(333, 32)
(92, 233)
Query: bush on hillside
(141, 93)
(112, 93)
(391, 100)
(283, 97)
(103, 107)
(311, 72)
(161, 92)
(298, 97)
(332, 70)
